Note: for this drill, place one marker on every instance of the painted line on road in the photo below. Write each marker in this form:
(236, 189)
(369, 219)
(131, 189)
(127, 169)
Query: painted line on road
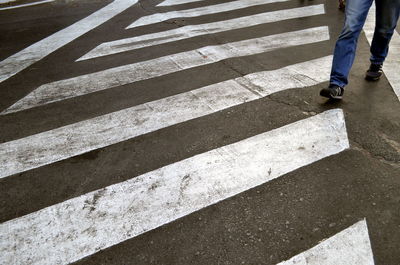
(74, 229)
(78, 138)
(26, 5)
(32, 54)
(186, 32)
(350, 246)
(200, 11)
(131, 73)
(391, 67)
(177, 2)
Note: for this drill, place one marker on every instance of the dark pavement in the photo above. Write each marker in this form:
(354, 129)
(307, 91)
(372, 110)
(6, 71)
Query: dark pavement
(263, 225)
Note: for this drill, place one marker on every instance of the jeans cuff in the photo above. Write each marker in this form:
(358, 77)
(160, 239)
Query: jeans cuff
(376, 62)
(337, 84)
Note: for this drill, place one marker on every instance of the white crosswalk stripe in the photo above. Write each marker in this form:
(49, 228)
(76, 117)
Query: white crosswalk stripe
(198, 30)
(58, 144)
(200, 11)
(25, 58)
(350, 246)
(26, 5)
(126, 74)
(67, 231)
(6, 1)
(82, 226)
(177, 2)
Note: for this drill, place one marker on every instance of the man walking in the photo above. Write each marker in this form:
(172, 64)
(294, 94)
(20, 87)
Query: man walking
(387, 15)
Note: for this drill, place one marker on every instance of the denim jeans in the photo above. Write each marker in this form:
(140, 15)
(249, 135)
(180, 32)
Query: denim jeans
(387, 15)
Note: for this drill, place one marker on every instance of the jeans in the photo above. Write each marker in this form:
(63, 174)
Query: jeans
(387, 15)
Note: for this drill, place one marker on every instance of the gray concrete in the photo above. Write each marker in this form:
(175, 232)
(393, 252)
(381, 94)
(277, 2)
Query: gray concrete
(264, 225)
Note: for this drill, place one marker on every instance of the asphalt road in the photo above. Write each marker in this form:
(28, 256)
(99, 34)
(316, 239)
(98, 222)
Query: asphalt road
(192, 132)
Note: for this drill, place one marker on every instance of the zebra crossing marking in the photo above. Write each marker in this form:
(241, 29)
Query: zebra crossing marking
(160, 66)
(200, 11)
(177, 2)
(32, 54)
(391, 67)
(186, 32)
(26, 5)
(350, 246)
(79, 227)
(78, 138)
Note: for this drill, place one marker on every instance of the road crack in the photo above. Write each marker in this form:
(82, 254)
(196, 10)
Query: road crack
(359, 147)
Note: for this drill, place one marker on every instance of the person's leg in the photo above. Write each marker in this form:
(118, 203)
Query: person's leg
(345, 49)
(387, 15)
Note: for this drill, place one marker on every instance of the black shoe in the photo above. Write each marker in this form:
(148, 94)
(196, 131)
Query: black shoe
(342, 4)
(332, 92)
(374, 72)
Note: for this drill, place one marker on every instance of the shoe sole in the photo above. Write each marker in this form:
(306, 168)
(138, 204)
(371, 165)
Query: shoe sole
(370, 78)
(327, 94)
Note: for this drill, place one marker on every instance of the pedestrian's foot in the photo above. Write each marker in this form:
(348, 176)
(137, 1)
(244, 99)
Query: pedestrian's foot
(332, 92)
(374, 72)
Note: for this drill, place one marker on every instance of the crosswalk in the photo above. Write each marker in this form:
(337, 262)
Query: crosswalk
(89, 222)
(176, 2)
(202, 29)
(25, 58)
(23, 5)
(200, 11)
(127, 74)
(31, 152)
(161, 196)
(334, 250)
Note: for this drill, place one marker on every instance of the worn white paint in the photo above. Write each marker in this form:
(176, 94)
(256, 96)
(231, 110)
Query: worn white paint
(200, 11)
(391, 66)
(32, 54)
(126, 74)
(74, 229)
(177, 2)
(58, 144)
(185, 32)
(26, 5)
(350, 246)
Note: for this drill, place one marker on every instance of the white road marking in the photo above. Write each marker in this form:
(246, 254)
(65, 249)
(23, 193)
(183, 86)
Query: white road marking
(26, 5)
(351, 246)
(200, 11)
(28, 56)
(74, 229)
(71, 140)
(126, 74)
(177, 2)
(391, 66)
(185, 32)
